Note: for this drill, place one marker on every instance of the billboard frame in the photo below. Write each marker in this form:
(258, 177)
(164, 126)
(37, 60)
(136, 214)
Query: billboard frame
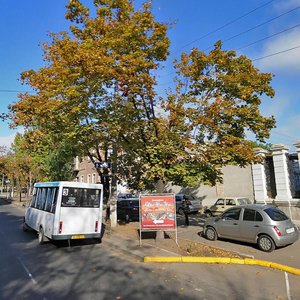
(164, 211)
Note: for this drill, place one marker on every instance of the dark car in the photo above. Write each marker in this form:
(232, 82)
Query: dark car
(128, 209)
(185, 203)
(126, 196)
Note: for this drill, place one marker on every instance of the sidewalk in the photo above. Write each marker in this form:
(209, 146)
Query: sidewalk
(126, 238)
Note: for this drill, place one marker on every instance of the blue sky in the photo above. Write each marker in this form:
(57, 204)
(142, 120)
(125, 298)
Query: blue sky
(24, 25)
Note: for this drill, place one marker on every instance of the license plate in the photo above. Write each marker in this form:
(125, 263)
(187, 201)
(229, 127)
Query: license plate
(75, 237)
(290, 230)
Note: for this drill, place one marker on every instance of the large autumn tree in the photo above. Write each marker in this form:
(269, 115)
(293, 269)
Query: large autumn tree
(16, 166)
(215, 107)
(97, 77)
(96, 93)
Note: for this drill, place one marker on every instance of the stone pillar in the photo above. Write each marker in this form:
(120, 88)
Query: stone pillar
(297, 145)
(281, 170)
(259, 178)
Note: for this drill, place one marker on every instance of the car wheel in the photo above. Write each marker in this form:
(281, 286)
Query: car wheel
(208, 213)
(265, 243)
(41, 236)
(181, 211)
(211, 234)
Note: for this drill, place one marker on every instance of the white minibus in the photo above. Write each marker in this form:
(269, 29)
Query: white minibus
(65, 210)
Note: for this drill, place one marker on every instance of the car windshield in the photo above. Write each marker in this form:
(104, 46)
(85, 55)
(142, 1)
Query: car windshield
(243, 201)
(276, 214)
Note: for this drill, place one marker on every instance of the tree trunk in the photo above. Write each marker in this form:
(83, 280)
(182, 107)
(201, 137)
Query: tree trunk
(160, 186)
(113, 190)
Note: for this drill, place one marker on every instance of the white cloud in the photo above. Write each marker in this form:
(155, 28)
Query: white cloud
(7, 140)
(287, 131)
(287, 4)
(287, 61)
(278, 106)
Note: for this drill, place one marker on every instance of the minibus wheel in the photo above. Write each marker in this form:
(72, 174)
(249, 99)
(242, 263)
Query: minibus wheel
(41, 236)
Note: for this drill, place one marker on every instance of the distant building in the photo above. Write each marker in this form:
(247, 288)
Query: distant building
(276, 180)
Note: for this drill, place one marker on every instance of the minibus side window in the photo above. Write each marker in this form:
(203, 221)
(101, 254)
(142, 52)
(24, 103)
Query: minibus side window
(33, 200)
(49, 199)
(43, 198)
(38, 198)
(54, 200)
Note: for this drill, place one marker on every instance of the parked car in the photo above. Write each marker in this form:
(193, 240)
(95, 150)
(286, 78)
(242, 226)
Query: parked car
(128, 209)
(223, 204)
(126, 196)
(188, 203)
(264, 225)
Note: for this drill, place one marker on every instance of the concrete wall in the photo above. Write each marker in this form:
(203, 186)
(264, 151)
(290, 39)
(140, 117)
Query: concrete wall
(236, 182)
(293, 211)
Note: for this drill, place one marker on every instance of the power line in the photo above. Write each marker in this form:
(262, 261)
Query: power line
(284, 135)
(250, 29)
(268, 37)
(261, 24)
(225, 25)
(257, 26)
(276, 53)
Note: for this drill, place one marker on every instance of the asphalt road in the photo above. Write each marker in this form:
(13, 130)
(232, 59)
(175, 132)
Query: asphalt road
(86, 270)
(89, 270)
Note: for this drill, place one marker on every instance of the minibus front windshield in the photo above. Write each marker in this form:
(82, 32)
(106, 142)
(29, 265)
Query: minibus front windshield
(80, 197)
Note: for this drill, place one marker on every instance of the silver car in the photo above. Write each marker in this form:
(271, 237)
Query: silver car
(264, 225)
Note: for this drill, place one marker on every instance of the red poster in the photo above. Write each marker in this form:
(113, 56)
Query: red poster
(157, 212)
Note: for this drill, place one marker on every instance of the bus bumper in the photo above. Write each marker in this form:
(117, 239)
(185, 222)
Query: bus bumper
(76, 236)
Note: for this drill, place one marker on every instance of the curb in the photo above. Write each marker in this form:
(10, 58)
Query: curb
(223, 260)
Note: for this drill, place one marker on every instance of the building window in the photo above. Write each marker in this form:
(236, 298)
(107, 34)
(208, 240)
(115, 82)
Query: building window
(89, 178)
(82, 178)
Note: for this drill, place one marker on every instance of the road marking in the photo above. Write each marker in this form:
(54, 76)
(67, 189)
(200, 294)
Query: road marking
(31, 278)
(288, 291)
(27, 271)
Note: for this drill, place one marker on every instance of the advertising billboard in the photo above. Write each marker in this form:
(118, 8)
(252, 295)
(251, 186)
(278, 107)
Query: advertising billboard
(157, 212)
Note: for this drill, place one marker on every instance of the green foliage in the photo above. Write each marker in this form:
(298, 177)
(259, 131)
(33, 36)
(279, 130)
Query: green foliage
(215, 104)
(16, 164)
(97, 81)
(96, 92)
(60, 163)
